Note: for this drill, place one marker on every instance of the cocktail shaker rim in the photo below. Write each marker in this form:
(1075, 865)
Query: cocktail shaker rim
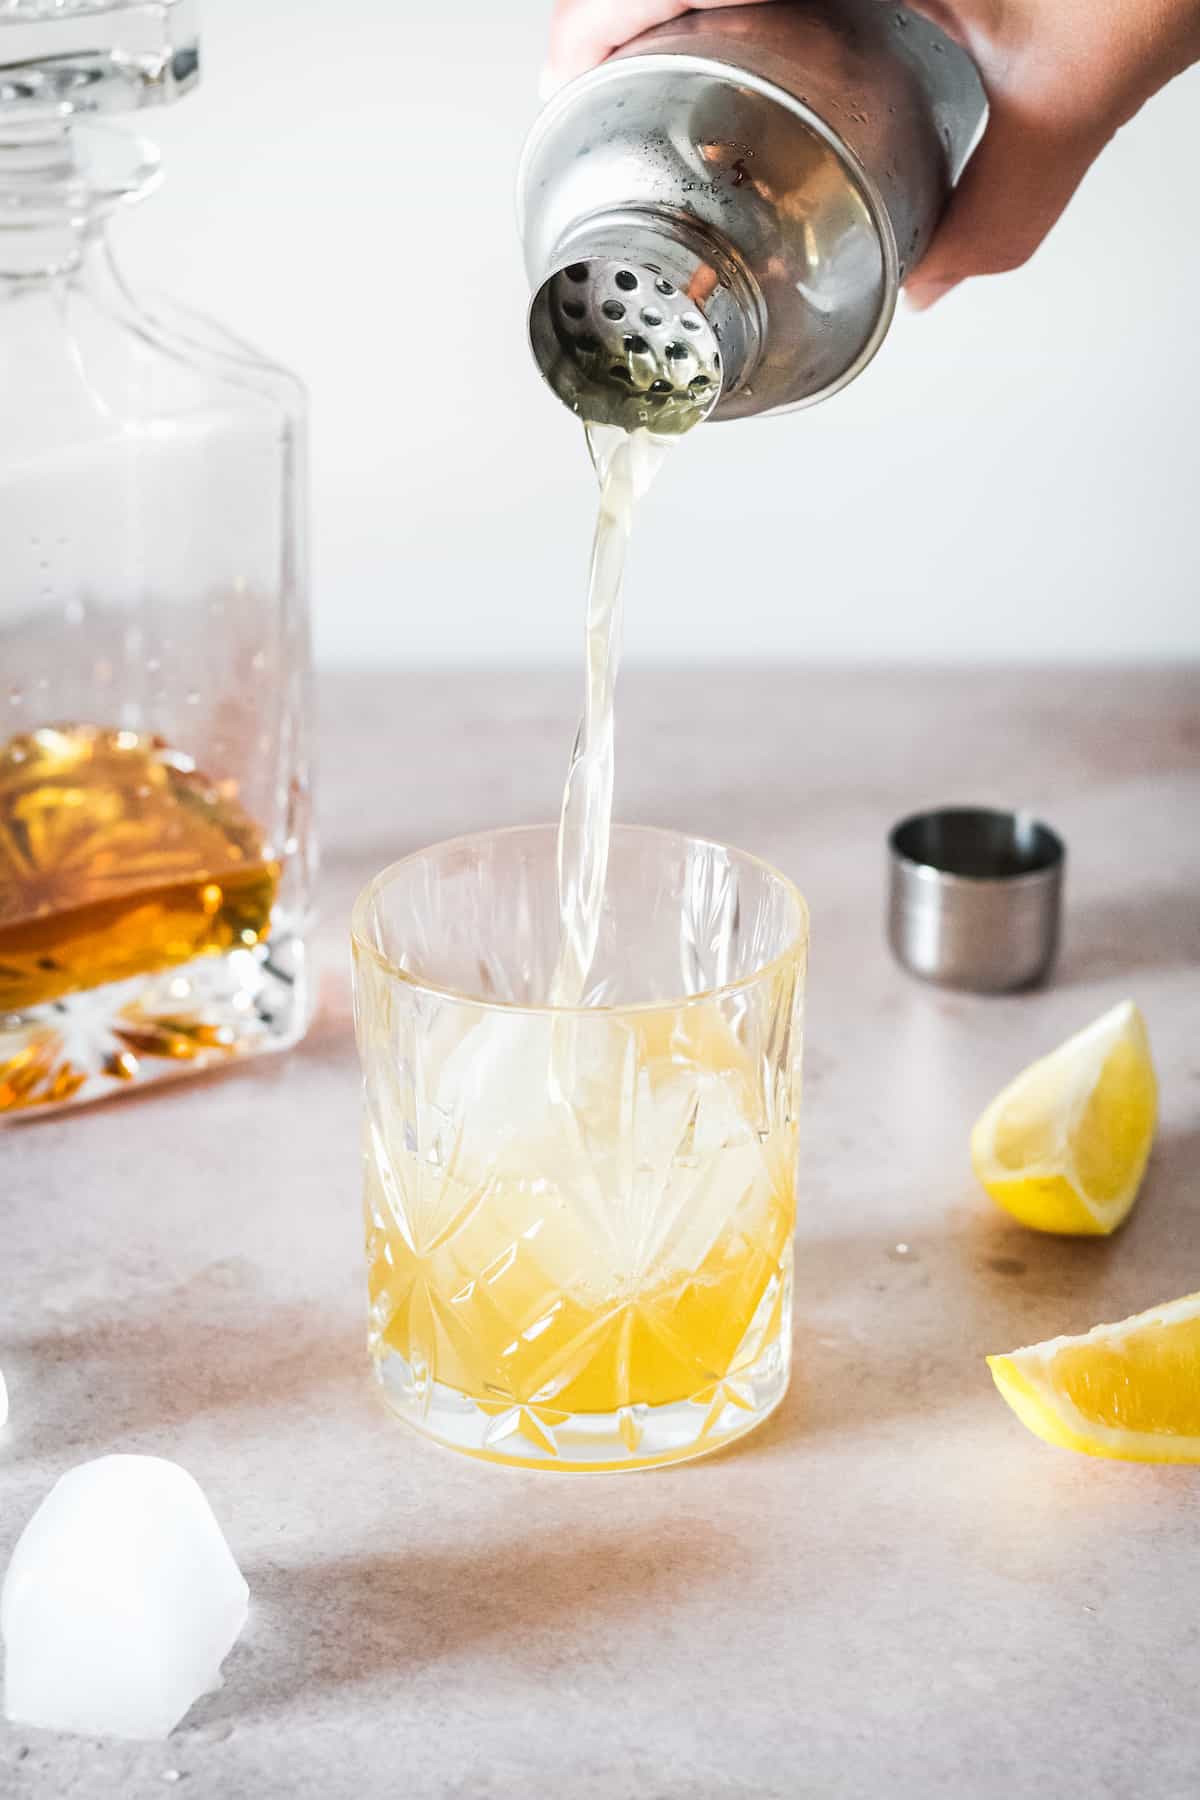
(871, 125)
(650, 63)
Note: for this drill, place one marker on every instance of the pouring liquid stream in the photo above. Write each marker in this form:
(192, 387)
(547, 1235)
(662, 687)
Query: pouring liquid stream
(626, 464)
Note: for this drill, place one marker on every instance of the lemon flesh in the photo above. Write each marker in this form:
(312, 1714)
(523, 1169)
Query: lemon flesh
(1064, 1147)
(1130, 1391)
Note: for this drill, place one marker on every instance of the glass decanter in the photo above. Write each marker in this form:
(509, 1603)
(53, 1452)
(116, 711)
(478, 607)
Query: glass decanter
(155, 837)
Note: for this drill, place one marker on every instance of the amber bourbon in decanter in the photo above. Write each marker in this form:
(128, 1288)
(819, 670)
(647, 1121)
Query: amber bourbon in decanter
(155, 840)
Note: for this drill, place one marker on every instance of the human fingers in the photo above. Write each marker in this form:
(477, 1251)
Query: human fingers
(1013, 190)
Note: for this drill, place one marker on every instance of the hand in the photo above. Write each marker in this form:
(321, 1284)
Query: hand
(1062, 76)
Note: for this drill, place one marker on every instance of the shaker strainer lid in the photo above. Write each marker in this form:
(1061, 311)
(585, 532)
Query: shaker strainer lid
(621, 344)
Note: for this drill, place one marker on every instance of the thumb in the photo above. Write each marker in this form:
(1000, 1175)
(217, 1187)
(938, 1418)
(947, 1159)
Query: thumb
(1012, 191)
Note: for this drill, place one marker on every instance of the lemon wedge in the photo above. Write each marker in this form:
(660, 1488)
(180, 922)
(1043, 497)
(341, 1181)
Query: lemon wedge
(1064, 1147)
(1130, 1391)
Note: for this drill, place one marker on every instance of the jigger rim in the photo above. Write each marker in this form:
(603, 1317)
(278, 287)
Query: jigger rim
(1046, 859)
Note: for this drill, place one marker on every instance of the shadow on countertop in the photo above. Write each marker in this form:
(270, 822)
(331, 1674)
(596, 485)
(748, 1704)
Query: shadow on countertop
(526, 1597)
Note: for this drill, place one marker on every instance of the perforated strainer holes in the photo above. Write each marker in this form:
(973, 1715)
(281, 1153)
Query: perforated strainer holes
(617, 352)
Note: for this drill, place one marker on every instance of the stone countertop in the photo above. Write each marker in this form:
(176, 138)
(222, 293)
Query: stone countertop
(892, 1588)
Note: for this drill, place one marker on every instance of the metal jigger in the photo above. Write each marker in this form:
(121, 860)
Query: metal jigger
(975, 897)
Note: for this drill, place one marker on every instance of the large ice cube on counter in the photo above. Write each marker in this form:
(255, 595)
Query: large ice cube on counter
(121, 1601)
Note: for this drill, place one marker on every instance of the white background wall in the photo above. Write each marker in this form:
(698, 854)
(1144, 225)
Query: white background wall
(1016, 476)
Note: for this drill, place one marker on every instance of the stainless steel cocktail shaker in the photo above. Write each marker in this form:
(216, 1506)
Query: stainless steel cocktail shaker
(718, 219)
